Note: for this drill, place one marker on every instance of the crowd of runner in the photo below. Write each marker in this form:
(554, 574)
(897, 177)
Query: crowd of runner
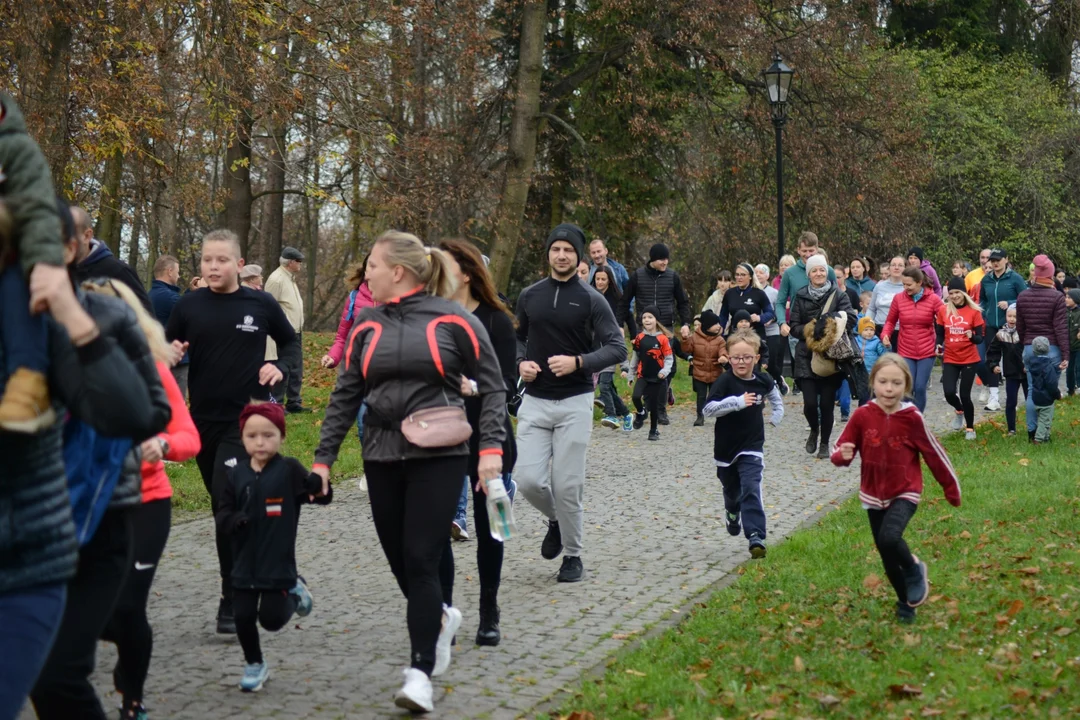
(103, 382)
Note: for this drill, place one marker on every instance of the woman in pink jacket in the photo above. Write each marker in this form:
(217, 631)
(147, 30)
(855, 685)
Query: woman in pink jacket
(915, 309)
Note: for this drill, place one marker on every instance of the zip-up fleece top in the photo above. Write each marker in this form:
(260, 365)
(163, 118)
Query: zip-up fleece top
(890, 445)
(409, 355)
(994, 290)
(566, 318)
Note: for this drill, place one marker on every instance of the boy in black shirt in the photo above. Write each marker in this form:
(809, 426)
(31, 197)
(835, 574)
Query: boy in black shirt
(739, 439)
(224, 327)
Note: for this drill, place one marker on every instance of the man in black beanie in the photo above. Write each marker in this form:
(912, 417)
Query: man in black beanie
(656, 285)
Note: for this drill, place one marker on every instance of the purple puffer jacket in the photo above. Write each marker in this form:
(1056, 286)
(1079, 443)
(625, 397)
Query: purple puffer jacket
(1041, 310)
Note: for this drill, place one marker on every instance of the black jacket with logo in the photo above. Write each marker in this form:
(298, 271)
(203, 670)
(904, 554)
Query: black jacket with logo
(261, 511)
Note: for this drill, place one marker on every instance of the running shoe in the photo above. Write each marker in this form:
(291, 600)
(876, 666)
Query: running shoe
(598, 403)
(628, 423)
(572, 570)
(610, 421)
(304, 600)
(459, 532)
(653, 435)
(733, 526)
(993, 406)
(757, 547)
(451, 621)
(905, 613)
(969, 434)
(226, 625)
(918, 584)
(639, 419)
(255, 676)
(552, 545)
(416, 693)
(957, 421)
(984, 395)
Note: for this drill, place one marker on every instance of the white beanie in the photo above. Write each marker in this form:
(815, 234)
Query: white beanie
(816, 261)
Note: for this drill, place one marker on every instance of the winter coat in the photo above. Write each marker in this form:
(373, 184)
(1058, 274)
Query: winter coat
(1007, 351)
(101, 263)
(260, 511)
(890, 446)
(359, 299)
(706, 350)
(652, 358)
(662, 289)
(805, 311)
(1041, 310)
(871, 350)
(180, 434)
(1074, 331)
(98, 384)
(793, 280)
(918, 339)
(714, 302)
(27, 189)
(410, 355)
(931, 273)
(750, 299)
(1045, 377)
(994, 290)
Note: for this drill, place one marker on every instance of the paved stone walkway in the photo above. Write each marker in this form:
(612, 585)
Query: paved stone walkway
(654, 539)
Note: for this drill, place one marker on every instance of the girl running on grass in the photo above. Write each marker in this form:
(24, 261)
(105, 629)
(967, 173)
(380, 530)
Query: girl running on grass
(1006, 356)
(651, 362)
(960, 328)
(891, 435)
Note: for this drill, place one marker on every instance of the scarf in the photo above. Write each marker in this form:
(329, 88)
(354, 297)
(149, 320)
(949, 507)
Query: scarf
(818, 293)
(1008, 334)
(1045, 282)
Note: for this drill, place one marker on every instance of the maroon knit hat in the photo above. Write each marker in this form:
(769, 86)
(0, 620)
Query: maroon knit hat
(271, 411)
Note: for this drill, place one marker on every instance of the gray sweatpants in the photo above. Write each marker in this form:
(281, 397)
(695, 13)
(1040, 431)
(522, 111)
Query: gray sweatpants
(552, 439)
(1044, 415)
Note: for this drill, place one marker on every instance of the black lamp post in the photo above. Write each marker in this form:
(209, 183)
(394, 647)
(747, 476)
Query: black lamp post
(778, 82)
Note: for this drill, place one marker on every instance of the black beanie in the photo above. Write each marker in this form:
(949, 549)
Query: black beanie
(570, 233)
(740, 315)
(917, 252)
(956, 283)
(708, 319)
(659, 251)
(652, 310)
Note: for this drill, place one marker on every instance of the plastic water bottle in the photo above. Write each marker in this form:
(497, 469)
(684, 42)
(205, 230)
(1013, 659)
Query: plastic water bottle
(500, 510)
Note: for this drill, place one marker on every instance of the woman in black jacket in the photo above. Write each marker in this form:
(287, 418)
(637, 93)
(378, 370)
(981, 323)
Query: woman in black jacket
(818, 391)
(406, 356)
(745, 295)
(96, 379)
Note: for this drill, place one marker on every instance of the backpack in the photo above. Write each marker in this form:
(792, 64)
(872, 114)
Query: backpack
(92, 463)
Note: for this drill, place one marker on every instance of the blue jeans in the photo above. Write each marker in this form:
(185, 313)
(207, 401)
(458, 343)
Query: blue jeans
(460, 517)
(24, 336)
(845, 399)
(742, 492)
(613, 404)
(31, 619)
(1029, 354)
(920, 374)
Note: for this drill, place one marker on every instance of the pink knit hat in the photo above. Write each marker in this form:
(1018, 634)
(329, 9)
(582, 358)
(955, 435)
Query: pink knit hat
(1044, 267)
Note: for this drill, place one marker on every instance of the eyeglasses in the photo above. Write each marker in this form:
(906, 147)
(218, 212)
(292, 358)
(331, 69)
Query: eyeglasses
(742, 358)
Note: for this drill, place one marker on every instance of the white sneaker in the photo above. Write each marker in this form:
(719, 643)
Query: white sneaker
(969, 435)
(958, 421)
(415, 694)
(993, 405)
(450, 623)
(984, 395)
(362, 483)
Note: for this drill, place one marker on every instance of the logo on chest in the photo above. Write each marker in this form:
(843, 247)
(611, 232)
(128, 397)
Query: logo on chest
(248, 325)
(273, 507)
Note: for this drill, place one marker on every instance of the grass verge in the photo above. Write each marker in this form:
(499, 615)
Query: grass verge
(810, 630)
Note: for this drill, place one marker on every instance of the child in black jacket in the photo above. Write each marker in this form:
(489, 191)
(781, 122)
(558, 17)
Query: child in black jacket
(260, 508)
(1006, 356)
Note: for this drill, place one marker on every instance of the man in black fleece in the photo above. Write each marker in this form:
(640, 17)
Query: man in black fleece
(566, 332)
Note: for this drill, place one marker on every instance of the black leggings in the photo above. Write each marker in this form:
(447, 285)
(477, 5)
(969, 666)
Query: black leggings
(819, 400)
(271, 608)
(655, 394)
(701, 389)
(412, 505)
(1012, 394)
(63, 690)
(888, 528)
(489, 551)
(129, 628)
(777, 345)
(220, 443)
(964, 376)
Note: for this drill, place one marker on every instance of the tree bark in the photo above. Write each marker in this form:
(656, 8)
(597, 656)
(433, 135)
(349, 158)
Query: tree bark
(236, 215)
(133, 246)
(108, 224)
(521, 151)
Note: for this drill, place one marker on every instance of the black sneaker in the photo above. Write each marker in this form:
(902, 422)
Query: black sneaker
(639, 419)
(918, 585)
(552, 545)
(700, 422)
(905, 613)
(757, 547)
(823, 449)
(572, 570)
(663, 419)
(733, 526)
(653, 435)
(811, 442)
(226, 625)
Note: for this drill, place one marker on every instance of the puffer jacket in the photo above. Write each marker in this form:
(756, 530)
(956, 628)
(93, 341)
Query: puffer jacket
(662, 289)
(918, 338)
(409, 355)
(706, 350)
(100, 385)
(1041, 310)
(358, 299)
(806, 310)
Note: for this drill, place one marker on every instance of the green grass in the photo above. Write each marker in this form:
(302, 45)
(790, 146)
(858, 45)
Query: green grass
(810, 630)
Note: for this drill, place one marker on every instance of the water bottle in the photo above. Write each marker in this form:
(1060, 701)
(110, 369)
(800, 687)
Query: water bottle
(500, 510)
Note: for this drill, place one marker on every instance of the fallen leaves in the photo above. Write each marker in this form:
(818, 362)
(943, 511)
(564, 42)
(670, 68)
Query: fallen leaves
(1023, 461)
(799, 665)
(1033, 570)
(828, 701)
(579, 715)
(905, 691)
(1017, 606)
(1064, 631)
(635, 673)
(871, 582)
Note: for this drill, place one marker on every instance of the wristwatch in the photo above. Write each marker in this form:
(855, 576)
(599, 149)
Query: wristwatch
(164, 446)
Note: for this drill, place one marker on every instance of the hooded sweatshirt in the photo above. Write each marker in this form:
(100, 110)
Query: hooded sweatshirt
(100, 262)
(27, 190)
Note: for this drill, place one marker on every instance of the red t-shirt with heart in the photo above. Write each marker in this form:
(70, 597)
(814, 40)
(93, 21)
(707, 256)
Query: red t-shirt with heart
(959, 350)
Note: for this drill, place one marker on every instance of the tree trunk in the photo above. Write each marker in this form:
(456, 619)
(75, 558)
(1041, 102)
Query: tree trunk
(108, 224)
(133, 246)
(236, 215)
(521, 151)
(355, 228)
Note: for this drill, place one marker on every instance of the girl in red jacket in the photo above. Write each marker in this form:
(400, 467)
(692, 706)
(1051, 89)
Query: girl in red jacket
(960, 329)
(891, 435)
(915, 310)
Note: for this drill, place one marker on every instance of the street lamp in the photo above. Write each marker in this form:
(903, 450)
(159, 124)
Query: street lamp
(778, 82)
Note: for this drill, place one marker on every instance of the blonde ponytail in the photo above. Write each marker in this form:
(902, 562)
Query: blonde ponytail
(430, 265)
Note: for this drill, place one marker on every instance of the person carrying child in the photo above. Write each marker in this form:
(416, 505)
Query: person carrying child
(1072, 373)
(891, 434)
(33, 224)
(260, 508)
(736, 401)
(959, 332)
(1045, 376)
(1006, 356)
(651, 362)
(709, 351)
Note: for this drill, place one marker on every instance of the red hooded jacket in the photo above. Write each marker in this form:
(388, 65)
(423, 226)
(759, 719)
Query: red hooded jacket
(918, 339)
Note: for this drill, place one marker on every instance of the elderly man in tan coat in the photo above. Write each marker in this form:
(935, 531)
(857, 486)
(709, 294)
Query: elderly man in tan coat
(282, 286)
